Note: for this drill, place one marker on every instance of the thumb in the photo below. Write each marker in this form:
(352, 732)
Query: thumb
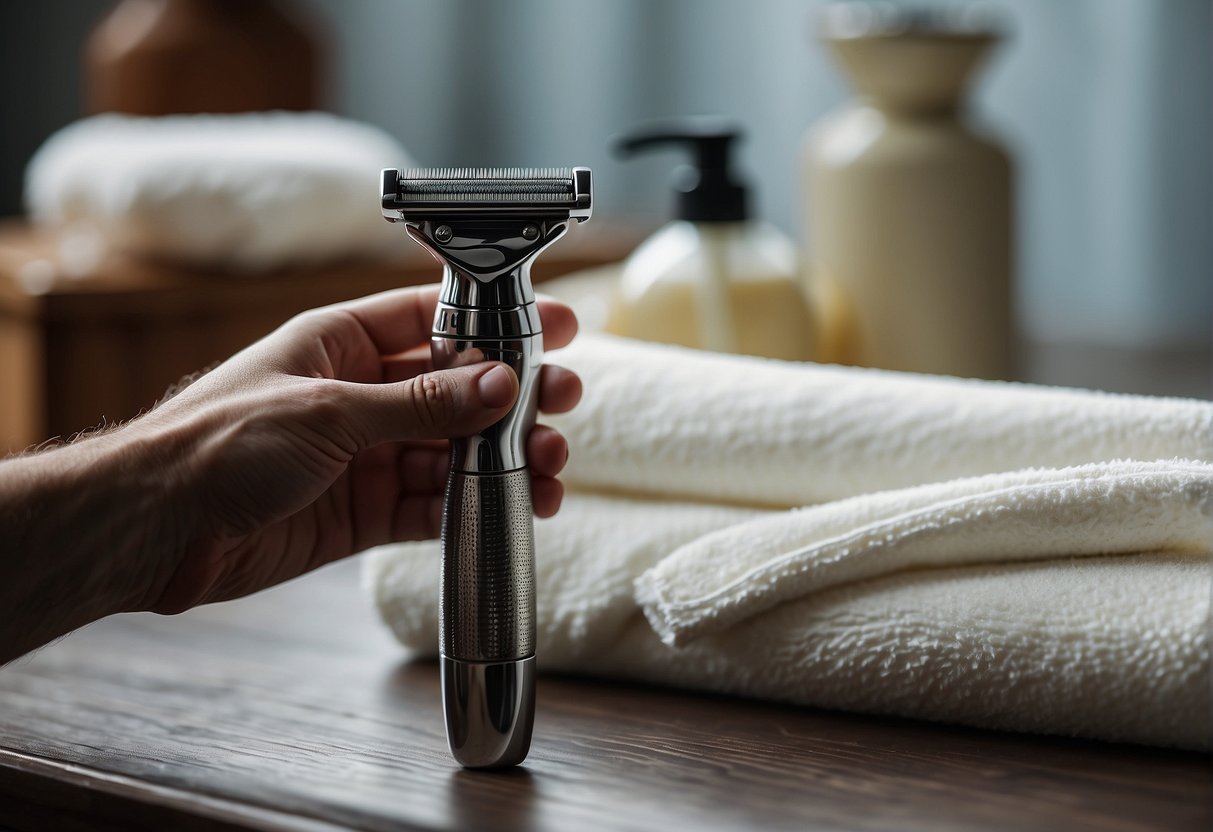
(434, 405)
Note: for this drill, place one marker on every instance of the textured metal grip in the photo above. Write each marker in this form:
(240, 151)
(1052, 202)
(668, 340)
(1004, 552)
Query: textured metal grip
(486, 611)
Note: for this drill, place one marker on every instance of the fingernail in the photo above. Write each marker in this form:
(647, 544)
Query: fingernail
(496, 387)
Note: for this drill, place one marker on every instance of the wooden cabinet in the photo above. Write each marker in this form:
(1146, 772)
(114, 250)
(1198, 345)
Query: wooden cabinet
(77, 351)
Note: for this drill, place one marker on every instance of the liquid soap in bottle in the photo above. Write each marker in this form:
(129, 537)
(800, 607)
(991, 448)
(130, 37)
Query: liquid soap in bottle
(714, 278)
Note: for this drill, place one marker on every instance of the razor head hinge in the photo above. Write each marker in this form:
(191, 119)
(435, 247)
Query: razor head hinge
(416, 194)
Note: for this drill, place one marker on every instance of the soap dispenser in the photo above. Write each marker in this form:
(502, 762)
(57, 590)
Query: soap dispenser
(714, 278)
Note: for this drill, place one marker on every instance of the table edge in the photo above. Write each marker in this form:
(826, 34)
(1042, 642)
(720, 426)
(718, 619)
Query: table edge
(129, 797)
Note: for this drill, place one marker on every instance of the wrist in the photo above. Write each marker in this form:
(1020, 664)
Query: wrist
(86, 530)
(141, 470)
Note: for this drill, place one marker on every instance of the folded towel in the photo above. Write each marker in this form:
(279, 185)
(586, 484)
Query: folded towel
(667, 420)
(722, 579)
(1105, 647)
(251, 191)
(998, 555)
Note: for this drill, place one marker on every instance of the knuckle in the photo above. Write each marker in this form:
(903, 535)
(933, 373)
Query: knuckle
(319, 399)
(311, 321)
(328, 322)
(328, 415)
(433, 399)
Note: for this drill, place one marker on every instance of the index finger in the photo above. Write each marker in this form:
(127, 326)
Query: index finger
(395, 320)
(401, 319)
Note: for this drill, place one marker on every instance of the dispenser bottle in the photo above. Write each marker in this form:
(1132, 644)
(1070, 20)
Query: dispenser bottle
(714, 278)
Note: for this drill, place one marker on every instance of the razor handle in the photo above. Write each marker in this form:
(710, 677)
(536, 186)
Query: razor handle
(487, 598)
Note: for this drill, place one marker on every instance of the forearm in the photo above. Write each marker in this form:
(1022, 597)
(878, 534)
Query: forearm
(77, 526)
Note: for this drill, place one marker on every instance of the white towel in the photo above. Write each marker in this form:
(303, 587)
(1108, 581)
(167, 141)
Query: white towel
(1106, 647)
(667, 420)
(1071, 598)
(722, 579)
(249, 192)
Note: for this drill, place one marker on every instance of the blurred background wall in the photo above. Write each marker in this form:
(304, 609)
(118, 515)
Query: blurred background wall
(1106, 105)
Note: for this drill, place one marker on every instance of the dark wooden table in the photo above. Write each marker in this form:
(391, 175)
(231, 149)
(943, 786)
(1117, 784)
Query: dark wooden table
(295, 710)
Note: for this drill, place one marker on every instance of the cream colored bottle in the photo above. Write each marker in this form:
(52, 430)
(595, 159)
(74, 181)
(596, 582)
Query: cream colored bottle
(909, 212)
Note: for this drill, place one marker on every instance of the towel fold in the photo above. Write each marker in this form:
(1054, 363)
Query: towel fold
(588, 558)
(724, 578)
(997, 555)
(1104, 647)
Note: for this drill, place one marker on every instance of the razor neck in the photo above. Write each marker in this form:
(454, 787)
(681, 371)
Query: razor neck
(487, 262)
(466, 290)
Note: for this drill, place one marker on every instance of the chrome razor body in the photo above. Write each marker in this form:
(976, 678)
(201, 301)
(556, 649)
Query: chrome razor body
(487, 226)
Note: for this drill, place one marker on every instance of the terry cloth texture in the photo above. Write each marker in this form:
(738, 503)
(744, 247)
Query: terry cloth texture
(998, 555)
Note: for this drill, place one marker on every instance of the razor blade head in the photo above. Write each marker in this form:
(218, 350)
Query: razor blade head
(422, 193)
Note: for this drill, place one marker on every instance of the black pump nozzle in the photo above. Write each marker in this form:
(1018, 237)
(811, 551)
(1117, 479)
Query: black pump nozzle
(706, 192)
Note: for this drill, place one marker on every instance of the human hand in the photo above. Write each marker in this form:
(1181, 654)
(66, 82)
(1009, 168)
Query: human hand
(325, 438)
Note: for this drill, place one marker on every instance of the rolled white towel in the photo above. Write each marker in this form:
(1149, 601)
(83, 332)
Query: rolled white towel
(667, 420)
(246, 192)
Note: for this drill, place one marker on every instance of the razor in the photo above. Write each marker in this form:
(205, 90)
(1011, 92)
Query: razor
(486, 226)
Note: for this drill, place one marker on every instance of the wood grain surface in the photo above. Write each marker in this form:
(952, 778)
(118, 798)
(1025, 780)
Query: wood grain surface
(295, 710)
